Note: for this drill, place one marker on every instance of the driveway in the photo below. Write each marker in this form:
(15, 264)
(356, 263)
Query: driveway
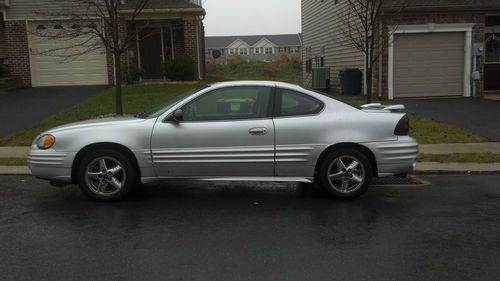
(473, 114)
(20, 109)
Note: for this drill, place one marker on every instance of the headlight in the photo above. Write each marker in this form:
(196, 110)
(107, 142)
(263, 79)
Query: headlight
(45, 141)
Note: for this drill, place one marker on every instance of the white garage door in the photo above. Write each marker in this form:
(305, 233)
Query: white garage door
(429, 64)
(53, 62)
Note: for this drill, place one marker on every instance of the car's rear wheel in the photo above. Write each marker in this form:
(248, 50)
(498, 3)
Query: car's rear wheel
(345, 174)
(106, 175)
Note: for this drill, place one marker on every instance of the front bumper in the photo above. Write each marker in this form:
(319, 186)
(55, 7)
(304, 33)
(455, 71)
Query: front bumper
(50, 164)
(395, 157)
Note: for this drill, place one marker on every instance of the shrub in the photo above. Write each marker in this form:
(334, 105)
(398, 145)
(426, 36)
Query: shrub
(182, 68)
(286, 57)
(132, 74)
(234, 60)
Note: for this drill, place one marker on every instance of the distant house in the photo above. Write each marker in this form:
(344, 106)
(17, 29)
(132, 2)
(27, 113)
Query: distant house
(255, 47)
(164, 30)
(439, 47)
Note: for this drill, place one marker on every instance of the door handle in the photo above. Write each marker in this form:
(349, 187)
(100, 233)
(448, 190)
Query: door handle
(258, 131)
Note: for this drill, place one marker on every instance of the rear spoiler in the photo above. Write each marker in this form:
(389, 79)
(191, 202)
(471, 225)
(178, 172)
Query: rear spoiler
(396, 107)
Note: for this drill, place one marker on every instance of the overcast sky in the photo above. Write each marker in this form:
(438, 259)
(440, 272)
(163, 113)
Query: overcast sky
(251, 17)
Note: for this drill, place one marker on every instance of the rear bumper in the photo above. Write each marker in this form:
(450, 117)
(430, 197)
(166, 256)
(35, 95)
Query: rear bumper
(395, 157)
(50, 164)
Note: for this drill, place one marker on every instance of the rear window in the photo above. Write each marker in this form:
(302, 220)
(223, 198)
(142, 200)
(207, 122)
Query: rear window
(292, 103)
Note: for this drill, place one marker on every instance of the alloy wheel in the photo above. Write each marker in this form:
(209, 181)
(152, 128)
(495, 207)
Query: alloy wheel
(346, 174)
(105, 176)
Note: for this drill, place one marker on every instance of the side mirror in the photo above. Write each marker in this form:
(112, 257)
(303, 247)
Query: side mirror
(177, 115)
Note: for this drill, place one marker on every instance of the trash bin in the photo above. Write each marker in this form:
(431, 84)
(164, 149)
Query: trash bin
(350, 81)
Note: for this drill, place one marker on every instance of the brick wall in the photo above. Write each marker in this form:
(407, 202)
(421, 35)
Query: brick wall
(438, 18)
(3, 44)
(192, 41)
(18, 51)
(178, 34)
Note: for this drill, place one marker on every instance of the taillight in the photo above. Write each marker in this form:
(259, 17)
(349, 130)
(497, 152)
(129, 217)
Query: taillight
(403, 127)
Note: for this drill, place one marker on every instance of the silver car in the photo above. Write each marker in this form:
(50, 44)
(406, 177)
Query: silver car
(244, 131)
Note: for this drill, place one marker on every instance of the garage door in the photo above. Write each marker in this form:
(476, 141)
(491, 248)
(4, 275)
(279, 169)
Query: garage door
(429, 65)
(53, 62)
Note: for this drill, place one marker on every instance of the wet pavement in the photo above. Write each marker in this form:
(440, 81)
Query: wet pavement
(448, 230)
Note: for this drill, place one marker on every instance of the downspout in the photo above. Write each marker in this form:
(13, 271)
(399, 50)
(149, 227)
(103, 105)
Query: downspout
(381, 55)
(474, 69)
(114, 69)
(114, 62)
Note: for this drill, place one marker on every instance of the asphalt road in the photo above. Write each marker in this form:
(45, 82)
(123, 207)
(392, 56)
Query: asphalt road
(449, 230)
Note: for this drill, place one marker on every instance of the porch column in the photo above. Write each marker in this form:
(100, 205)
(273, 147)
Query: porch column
(192, 43)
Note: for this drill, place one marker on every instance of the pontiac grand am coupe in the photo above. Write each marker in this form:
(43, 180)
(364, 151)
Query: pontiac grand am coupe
(245, 131)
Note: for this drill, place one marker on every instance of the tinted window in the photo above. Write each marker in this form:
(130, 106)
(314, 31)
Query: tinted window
(293, 103)
(229, 104)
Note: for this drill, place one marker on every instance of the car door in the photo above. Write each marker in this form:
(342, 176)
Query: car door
(227, 132)
(297, 122)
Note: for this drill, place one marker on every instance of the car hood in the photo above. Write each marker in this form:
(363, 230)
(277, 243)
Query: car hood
(104, 122)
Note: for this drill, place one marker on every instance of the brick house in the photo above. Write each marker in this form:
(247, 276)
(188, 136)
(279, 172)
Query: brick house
(439, 47)
(165, 29)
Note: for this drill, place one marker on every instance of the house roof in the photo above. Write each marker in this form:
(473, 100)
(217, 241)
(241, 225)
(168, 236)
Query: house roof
(446, 4)
(161, 4)
(221, 42)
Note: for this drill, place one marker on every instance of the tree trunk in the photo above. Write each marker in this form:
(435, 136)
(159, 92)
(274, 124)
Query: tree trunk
(118, 84)
(368, 84)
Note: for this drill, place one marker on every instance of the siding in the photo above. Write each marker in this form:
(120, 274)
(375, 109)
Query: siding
(33, 9)
(321, 29)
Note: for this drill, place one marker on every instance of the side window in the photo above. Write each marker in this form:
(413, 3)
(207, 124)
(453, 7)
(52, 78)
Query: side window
(295, 104)
(229, 104)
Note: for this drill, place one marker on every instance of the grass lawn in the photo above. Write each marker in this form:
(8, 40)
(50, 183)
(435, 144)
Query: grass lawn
(277, 71)
(460, 158)
(12, 161)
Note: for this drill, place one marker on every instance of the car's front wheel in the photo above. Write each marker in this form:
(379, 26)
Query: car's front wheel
(106, 175)
(345, 173)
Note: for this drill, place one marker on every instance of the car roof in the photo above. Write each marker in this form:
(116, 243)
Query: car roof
(257, 83)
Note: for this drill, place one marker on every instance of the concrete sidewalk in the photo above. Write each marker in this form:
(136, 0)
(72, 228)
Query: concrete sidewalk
(422, 167)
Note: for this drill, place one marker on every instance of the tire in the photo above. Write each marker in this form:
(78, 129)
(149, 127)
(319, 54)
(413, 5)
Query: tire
(341, 180)
(106, 175)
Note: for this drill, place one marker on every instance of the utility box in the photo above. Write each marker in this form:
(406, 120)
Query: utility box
(321, 78)
(351, 80)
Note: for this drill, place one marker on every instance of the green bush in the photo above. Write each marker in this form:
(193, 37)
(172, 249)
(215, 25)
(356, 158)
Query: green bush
(132, 74)
(182, 68)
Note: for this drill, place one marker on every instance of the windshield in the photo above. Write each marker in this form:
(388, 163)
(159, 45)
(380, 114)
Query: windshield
(157, 111)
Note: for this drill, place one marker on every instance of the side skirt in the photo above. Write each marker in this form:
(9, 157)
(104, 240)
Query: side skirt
(249, 179)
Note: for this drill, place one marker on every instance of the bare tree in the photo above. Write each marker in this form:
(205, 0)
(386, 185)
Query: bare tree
(362, 26)
(92, 25)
